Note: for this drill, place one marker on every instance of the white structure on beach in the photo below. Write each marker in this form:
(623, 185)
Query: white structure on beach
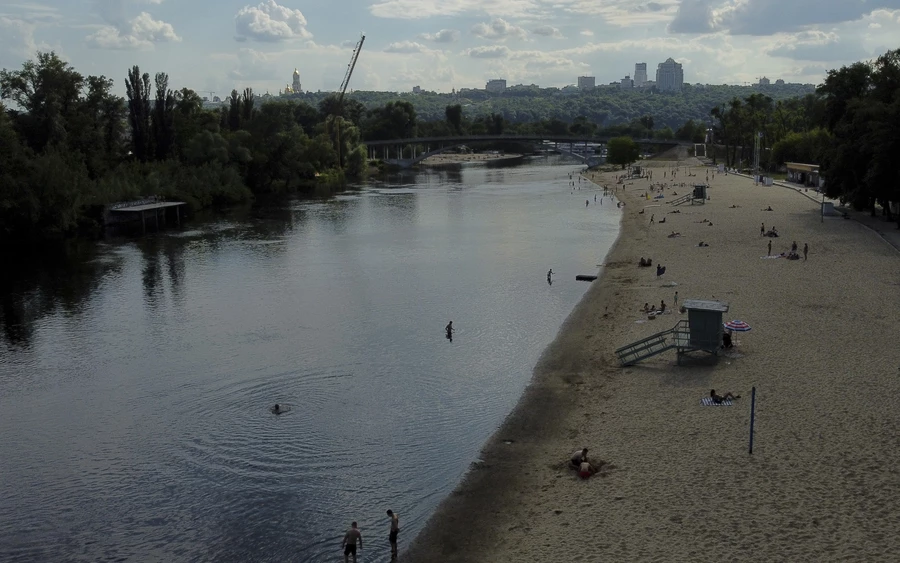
(669, 76)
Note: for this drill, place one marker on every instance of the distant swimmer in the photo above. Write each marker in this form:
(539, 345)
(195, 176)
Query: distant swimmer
(277, 409)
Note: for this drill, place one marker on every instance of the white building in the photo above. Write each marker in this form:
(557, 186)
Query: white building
(764, 81)
(669, 76)
(496, 85)
(417, 89)
(640, 74)
(626, 82)
(295, 84)
(587, 82)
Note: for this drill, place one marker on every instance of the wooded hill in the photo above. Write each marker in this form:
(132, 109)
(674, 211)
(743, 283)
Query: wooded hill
(603, 106)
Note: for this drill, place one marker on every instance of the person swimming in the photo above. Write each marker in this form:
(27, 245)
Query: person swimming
(277, 409)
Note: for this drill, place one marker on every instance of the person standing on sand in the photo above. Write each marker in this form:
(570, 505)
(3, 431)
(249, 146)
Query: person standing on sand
(805, 249)
(676, 299)
(762, 229)
(349, 546)
(769, 252)
(652, 216)
(395, 529)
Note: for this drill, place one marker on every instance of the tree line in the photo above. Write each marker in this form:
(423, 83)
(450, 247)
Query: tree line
(850, 127)
(69, 146)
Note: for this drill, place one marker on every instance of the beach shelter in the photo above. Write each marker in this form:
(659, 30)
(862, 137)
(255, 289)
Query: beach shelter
(705, 324)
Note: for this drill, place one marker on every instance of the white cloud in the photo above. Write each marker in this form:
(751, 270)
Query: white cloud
(587, 33)
(498, 28)
(489, 52)
(442, 36)
(253, 65)
(270, 22)
(140, 33)
(816, 45)
(405, 47)
(422, 9)
(623, 13)
(547, 31)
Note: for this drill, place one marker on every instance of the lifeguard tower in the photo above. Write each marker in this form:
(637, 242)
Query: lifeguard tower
(697, 195)
(702, 331)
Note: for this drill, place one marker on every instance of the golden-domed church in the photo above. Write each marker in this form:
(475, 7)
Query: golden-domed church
(294, 87)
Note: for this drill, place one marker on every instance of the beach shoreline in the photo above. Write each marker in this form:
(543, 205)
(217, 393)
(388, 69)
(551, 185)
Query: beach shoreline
(677, 482)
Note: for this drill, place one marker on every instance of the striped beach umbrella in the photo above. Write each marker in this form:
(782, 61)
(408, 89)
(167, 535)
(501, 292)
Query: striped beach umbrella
(737, 326)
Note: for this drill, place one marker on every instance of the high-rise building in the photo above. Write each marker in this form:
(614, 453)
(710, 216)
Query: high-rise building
(495, 85)
(626, 82)
(669, 76)
(640, 74)
(764, 81)
(587, 82)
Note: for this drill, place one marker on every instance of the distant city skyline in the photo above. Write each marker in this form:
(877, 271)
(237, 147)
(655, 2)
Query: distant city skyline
(441, 45)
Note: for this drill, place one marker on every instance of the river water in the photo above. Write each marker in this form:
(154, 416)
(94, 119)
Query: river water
(136, 375)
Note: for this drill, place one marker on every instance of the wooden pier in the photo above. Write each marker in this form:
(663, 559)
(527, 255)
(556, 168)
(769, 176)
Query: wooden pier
(144, 208)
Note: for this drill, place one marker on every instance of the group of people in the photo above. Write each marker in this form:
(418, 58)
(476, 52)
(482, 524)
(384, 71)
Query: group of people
(353, 538)
(579, 462)
(648, 308)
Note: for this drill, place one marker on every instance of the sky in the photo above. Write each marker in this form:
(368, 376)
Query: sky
(217, 45)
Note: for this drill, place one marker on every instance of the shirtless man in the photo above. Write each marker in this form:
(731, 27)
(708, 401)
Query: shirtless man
(578, 458)
(349, 545)
(395, 529)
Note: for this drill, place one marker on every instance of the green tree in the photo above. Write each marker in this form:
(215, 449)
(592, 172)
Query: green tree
(137, 88)
(162, 120)
(622, 151)
(453, 116)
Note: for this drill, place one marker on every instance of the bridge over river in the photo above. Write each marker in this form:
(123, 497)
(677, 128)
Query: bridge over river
(391, 151)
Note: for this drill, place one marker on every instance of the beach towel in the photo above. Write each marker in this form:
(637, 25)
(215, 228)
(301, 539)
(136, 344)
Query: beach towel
(708, 402)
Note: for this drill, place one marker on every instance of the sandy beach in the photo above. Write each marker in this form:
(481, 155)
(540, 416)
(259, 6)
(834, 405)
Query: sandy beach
(677, 482)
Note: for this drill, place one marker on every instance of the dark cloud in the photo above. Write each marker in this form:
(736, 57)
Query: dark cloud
(693, 16)
(765, 17)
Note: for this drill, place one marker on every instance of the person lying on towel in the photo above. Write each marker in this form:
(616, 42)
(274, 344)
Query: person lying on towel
(717, 399)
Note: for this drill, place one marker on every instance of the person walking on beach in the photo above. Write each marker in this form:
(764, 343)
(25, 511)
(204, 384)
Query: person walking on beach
(762, 229)
(769, 252)
(652, 216)
(350, 539)
(805, 249)
(395, 529)
(676, 299)
(587, 202)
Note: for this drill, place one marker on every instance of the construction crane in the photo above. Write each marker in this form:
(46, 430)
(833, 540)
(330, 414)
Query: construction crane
(340, 100)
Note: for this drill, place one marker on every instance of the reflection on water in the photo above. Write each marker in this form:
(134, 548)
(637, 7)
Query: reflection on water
(137, 375)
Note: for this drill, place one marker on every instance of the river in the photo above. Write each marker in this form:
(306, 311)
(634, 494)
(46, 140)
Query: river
(136, 375)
